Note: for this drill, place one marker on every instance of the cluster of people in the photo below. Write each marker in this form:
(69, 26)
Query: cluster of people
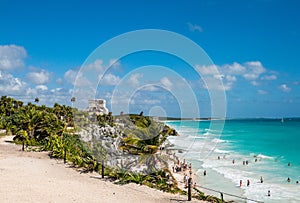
(241, 183)
(182, 166)
(245, 162)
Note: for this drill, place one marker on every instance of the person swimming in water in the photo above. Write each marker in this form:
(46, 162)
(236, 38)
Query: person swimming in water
(288, 179)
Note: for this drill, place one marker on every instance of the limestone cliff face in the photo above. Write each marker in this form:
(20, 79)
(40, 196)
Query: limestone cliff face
(123, 135)
(109, 138)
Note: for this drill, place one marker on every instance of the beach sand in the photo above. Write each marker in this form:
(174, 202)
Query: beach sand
(34, 177)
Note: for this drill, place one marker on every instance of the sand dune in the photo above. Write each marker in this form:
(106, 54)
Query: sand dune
(34, 177)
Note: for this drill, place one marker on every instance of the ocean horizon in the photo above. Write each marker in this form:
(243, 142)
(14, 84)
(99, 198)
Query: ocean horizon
(270, 146)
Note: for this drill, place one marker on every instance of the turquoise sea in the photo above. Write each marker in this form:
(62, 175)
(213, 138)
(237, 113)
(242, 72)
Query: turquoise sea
(270, 146)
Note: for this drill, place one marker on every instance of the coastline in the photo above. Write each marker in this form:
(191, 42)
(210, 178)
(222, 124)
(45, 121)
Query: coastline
(34, 177)
(213, 183)
(243, 140)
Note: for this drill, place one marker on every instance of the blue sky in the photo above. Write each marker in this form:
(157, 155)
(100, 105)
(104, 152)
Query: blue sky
(254, 44)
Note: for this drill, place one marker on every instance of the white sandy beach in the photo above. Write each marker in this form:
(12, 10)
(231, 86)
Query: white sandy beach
(34, 177)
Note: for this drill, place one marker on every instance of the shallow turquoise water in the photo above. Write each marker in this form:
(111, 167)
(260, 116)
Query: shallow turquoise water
(267, 144)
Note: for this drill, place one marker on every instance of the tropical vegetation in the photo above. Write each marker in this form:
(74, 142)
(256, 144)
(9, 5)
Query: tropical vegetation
(53, 129)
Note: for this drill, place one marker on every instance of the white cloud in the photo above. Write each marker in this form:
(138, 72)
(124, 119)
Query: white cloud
(70, 76)
(219, 76)
(39, 90)
(150, 101)
(208, 70)
(269, 77)
(110, 79)
(262, 92)
(41, 87)
(228, 74)
(39, 77)
(134, 79)
(250, 76)
(31, 91)
(74, 77)
(194, 27)
(119, 100)
(114, 63)
(254, 70)
(12, 57)
(284, 88)
(250, 70)
(254, 83)
(166, 83)
(100, 67)
(212, 83)
(97, 65)
(58, 89)
(151, 88)
(233, 69)
(231, 78)
(11, 85)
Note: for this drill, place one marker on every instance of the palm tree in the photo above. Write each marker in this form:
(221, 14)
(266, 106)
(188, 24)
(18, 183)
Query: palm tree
(7, 105)
(50, 125)
(73, 99)
(22, 136)
(28, 119)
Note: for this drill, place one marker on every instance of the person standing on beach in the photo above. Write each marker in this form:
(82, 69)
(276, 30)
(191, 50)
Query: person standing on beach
(248, 182)
(204, 172)
(261, 179)
(186, 180)
(241, 183)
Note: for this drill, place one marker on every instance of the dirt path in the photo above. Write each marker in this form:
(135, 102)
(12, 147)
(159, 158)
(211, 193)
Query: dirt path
(34, 177)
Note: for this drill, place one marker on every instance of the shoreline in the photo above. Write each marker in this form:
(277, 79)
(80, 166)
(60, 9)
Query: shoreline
(213, 183)
(196, 180)
(212, 177)
(224, 175)
(34, 177)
